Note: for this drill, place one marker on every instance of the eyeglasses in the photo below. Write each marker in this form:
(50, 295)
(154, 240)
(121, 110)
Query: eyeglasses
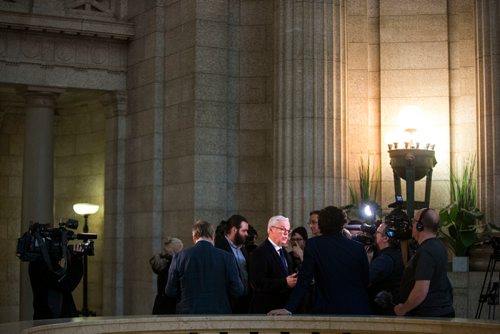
(296, 239)
(282, 229)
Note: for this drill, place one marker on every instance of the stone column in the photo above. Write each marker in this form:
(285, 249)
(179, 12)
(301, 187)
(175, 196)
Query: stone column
(114, 227)
(38, 174)
(488, 99)
(309, 121)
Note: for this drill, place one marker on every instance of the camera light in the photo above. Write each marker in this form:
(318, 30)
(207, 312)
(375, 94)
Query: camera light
(367, 211)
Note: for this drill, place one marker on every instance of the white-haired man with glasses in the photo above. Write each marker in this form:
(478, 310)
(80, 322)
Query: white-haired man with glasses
(271, 271)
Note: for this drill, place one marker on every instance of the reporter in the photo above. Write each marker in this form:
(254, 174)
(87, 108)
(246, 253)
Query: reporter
(339, 267)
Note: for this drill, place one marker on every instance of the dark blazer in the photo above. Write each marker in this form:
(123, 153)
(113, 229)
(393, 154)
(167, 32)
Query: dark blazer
(203, 278)
(340, 270)
(239, 304)
(268, 279)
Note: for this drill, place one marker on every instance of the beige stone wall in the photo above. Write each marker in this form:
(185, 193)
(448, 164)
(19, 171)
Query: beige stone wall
(251, 89)
(410, 53)
(198, 135)
(310, 115)
(363, 89)
(222, 106)
(11, 163)
(414, 70)
(79, 160)
(462, 81)
(488, 105)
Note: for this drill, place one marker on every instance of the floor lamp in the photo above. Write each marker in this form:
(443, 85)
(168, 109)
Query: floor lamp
(85, 210)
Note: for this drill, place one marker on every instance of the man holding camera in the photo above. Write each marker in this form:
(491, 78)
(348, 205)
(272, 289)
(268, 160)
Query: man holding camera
(52, 291)
(386, 270)
(425, 287)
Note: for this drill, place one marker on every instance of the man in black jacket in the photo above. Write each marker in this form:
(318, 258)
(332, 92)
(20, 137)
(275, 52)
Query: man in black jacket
(52, 292)
(271, 272)
(339, 267)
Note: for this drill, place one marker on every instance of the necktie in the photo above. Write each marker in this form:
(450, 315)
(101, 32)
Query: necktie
(283, 259)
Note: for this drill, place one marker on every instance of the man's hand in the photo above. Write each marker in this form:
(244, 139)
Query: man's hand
(298, 252)
(280, 311)
(77, 248)
(291, 280)
(399, 309)
(416, 297)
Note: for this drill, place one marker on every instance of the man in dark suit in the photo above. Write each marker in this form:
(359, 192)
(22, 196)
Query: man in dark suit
(271, 272)
(339, 267)
(235, 232)
(203, 278)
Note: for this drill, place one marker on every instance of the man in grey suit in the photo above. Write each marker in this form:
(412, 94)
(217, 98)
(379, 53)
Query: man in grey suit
(203, 278)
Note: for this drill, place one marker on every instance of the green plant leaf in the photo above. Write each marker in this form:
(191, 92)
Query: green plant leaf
(459, 220)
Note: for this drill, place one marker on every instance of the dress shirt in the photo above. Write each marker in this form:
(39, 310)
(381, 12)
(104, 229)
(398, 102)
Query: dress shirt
(241, 262)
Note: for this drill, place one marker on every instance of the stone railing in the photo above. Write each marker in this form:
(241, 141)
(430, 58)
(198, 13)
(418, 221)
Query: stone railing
(257, 325)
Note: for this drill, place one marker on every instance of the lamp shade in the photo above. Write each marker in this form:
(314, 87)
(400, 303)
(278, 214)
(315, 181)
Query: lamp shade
(85, 208)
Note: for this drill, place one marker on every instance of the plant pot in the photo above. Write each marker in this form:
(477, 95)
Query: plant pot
(480, 257)
(460, 264)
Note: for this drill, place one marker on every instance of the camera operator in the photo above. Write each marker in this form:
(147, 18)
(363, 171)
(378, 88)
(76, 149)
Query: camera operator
(52, 296)
(386, 270)
(425, 288)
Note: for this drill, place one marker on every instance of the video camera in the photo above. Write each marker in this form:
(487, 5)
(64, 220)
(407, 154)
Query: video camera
(397, 221)
(367, 231)
(51, 243)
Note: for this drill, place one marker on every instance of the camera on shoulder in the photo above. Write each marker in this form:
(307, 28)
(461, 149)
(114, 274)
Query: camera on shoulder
(42, 241)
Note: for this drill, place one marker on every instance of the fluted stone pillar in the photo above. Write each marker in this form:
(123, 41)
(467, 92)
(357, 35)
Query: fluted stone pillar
(114, 227)
(38, 173)
(309, 121)
(488, 97)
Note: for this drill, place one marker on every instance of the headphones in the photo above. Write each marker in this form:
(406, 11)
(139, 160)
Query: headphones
(420, 225)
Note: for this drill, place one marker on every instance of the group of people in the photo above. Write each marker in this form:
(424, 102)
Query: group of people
(327, 273)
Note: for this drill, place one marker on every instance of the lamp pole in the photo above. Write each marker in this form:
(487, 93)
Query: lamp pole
(85, 209)
(85, 309)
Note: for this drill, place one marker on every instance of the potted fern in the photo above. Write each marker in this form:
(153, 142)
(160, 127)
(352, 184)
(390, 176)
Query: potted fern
(459, 220)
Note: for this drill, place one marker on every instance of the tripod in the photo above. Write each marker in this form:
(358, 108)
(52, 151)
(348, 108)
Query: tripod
(492, 292)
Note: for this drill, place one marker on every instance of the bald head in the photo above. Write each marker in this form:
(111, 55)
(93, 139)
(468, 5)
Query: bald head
(429, 219)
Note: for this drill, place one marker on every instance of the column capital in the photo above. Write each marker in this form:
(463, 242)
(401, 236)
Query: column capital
(117, 100)
(40, 96)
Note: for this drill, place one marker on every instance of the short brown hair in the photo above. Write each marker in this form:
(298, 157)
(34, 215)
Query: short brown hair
(203, 229)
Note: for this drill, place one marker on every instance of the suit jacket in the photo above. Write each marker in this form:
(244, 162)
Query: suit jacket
(202, 279)
(268, 279)
(239, 304)
(340, 270)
